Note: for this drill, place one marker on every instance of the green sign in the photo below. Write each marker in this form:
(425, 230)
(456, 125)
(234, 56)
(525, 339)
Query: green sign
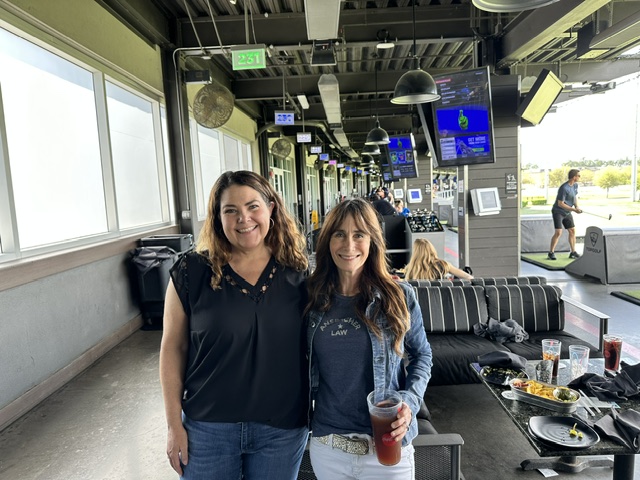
(248, 57)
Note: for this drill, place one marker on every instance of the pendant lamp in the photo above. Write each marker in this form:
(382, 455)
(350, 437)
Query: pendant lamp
(502, 6)
(415, 86)
(377, 135)
(371, 150)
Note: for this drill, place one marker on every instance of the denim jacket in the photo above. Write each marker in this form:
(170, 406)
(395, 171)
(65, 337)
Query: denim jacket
(387, 364)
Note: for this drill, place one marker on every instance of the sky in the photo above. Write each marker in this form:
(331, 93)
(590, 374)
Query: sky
(602, 126)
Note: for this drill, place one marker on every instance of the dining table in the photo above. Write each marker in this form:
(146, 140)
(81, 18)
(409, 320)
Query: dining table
(558, 456)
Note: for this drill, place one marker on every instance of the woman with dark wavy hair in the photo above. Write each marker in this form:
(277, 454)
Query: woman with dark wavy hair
(361, 323)
(232, 364)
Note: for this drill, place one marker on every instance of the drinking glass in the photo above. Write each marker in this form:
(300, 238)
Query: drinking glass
(383, 409)
(612, 351)
(551, 351)
(579, 360)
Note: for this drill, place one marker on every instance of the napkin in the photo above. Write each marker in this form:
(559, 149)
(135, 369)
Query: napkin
(623, 428)
(625, 384)
(502, 359)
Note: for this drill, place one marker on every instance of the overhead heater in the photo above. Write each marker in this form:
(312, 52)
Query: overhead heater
(323, 53)
(322, 18)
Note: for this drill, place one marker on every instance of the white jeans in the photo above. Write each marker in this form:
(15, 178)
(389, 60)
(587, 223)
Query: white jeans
(333, 464)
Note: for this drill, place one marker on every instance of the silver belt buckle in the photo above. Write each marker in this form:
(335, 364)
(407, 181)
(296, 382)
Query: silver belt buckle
(355, 446)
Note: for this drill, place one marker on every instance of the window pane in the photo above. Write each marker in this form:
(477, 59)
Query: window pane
(135, 165)
(231, 157)
(210, 165)
(53, 145)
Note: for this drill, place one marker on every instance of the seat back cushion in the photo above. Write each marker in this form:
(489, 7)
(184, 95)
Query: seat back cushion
(458, 282)
(452, 309)
(529, 280)
(537, 308)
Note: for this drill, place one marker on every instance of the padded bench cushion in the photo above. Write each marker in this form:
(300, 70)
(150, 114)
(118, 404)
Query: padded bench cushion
(530, 280)
(457, 282)
(537, 308)
(451, 309)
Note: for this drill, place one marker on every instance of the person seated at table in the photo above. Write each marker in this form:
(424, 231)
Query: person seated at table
(425, 264)
(401, 209)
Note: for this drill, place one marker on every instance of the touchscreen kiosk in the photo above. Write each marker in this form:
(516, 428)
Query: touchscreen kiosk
(414, 195)
(485, 201)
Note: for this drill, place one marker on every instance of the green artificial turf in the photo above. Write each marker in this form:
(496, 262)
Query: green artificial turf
(541, 259)
(632, 296)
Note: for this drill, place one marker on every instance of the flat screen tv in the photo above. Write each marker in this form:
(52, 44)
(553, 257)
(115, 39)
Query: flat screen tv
(385, 169)
(463, 118)
(401, 152)
(540, 98)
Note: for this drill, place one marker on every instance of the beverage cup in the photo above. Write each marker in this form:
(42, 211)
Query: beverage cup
(383, 410)
(612, 351)
(544, 369)
(551, 351)
(578, 360)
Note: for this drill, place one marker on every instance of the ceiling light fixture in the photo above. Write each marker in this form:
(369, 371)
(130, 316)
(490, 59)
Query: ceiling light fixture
(415, 86)
(383, 40)
(377, 135)
(502, 6)
(330, 95)
(302, 99)
(370, 150)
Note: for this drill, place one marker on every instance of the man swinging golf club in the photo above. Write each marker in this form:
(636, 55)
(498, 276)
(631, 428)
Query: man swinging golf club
(566, 202)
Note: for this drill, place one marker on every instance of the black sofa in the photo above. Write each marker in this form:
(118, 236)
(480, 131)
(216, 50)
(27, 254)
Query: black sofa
(450, 310)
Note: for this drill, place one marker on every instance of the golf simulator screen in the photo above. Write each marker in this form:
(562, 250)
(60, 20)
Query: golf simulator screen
(463, 118)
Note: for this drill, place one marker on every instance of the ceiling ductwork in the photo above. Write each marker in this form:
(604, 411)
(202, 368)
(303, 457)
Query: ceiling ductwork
(322, 17)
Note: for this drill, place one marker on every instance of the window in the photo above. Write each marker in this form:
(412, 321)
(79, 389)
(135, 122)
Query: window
(66, 179)
(52, 143)
(135, 158)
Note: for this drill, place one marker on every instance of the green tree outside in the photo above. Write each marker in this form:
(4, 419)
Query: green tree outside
(558, 176)
(610, 177)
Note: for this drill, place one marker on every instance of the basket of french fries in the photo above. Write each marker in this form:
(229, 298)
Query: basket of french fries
(545, 395)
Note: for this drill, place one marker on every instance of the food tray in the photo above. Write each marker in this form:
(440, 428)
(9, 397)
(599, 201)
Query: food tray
(555, 405)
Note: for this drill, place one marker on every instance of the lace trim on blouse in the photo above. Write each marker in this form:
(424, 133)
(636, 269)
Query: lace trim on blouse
(254, 292)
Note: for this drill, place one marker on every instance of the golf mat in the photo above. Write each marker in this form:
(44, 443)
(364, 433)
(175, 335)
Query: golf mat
(453, 229)
(632, 296)
(541, 260)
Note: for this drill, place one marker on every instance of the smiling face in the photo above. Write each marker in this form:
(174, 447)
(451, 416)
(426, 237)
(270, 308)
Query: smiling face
(349, 246)
(244, 215)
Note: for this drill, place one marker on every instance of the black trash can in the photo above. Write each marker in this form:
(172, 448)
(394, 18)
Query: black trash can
(152, 265)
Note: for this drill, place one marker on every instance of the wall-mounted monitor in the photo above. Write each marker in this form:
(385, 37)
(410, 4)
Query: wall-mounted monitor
(401, 152)
(315, 149)
(324, 157)
(385, 169)
(414, 195)
(540, 98)
(333, 162)
(463, 118)
(303, 137)
(485, 201)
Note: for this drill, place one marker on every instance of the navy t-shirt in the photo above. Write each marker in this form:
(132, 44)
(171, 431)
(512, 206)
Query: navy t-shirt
(567, 193)
(342, 350)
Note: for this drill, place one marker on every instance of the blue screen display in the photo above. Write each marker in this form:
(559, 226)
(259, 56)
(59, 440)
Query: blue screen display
(401, 151)
(463, 118)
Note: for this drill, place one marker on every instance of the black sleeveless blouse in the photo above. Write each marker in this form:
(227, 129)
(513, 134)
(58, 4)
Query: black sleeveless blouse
(246, 360)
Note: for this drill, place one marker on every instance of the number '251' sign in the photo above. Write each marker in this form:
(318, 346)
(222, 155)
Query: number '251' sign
(248, 57)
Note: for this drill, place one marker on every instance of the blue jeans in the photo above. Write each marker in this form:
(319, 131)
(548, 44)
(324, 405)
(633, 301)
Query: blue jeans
(247, 451)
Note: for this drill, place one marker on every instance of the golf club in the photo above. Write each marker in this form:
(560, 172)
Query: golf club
(601, 216)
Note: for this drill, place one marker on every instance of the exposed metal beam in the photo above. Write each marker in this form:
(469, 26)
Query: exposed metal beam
(541, 26)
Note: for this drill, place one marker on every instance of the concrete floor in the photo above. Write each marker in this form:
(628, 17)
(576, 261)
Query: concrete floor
(108, 423)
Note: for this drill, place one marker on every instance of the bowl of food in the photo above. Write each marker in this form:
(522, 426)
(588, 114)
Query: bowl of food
(564, 394)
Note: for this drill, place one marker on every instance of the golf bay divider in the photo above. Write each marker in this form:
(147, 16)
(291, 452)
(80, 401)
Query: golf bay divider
(612, 255)
(536, 232)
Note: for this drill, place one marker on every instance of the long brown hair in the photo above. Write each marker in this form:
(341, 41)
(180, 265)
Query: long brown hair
(375, 277)
(424, 263)
(284, 239)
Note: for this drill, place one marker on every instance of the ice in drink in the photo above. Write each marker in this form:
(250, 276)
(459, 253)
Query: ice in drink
(612, 350)
(383, 409)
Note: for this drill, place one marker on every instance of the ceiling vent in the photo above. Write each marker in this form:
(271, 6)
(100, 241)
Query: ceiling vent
(583, 43)
(619, 34)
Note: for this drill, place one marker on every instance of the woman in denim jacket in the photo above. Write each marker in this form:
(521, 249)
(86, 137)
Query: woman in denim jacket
(361, 323)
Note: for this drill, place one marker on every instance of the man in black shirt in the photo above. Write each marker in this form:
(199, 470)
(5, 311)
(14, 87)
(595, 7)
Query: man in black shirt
(382, 206)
